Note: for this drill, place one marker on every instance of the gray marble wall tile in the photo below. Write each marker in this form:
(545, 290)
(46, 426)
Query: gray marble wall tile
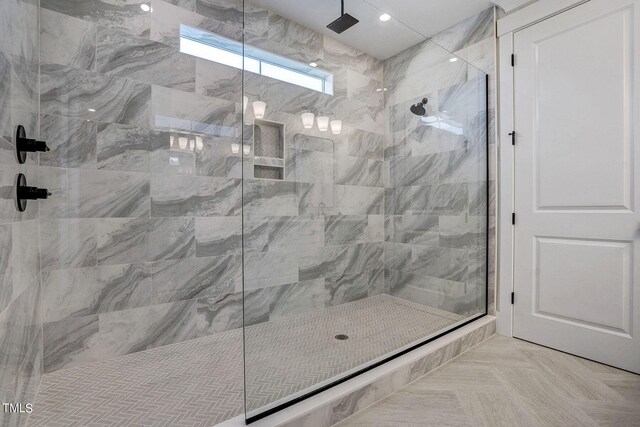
(219, 313)
(316, 198)
(414, 229)
(269, 198)
(81, 340)
(72, 92)
(87, 291)
(218, 159)
(357, 200)
(397, 256)
(5, 97)
(232, 12)
(186, 279)
(443, 263)
(129, 331)
(424, 140)
(468, 165)
(94, 194)
(122, 240)
(28, 381)
(178, 110)
(342, 230)
(127, 148)
(470, 31)
(295, 234)
(68, 243)
(353, 287)
(338, 261)
(337, 55)
(366, 144)
(171, 159)
(167, 18)
(6, 266)
(72, 142)
(177, 196)
(358, 171)
(185, 4)
(478, 267)
(298, 298)
(25, 261)
(20, 349)
(418, 170)
(257, 304)
(218, 236)
(295, 36)
(141, 59)
(478, 198)
(65, 40)
(69, 342)
(20, 320)
(124, 148)
(218, 80)
(172, 238)
(125, 14)
(314, 166)
(464, 232)
(255, 232)
(268, 269)
(364, 88)
(447, 199)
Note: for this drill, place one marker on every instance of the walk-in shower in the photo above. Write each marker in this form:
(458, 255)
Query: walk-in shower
(245, 207)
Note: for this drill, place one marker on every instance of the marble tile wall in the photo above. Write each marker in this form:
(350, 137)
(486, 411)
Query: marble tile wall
(20, 293)
(141, 244)
(435, 178)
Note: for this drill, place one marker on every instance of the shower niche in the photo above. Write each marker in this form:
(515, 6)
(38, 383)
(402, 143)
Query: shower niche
(268, 150)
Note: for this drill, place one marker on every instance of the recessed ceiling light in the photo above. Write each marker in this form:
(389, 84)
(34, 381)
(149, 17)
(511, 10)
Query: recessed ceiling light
(145, 7)
(92, 110)
(453, 60)
(385, 17)
(313, 64)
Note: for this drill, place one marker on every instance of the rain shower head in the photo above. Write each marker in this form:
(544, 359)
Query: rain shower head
(343, 23)
(418, 109)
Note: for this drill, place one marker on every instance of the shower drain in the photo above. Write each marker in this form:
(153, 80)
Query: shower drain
(342, 337)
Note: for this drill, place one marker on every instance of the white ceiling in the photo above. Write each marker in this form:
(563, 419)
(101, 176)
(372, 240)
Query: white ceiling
(412, 20)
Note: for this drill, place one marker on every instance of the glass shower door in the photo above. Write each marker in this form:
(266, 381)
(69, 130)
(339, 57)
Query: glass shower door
(364, 224)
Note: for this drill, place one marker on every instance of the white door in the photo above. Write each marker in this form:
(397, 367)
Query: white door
(577, 182)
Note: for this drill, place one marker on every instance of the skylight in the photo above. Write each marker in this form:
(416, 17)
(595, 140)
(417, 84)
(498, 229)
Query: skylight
(196, 42)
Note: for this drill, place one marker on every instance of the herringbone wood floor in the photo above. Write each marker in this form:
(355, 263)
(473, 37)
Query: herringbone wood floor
(508, 382)
(200, 382)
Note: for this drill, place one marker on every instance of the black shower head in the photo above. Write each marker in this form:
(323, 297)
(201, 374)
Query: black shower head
(418, 109)
(343, 23)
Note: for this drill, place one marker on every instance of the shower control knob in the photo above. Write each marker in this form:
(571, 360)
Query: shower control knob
(24, 193)
(26, 145)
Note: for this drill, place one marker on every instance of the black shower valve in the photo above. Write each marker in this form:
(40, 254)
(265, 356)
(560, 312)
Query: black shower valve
(33, 193)
(24, 193)
(26, 145)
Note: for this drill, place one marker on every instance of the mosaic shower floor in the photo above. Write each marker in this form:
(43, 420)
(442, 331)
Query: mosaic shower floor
(200, 382)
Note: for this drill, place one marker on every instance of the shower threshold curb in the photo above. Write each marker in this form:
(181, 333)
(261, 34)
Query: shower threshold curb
(344, 400)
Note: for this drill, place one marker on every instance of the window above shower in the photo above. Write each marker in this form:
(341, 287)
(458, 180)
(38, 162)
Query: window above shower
(202, 44)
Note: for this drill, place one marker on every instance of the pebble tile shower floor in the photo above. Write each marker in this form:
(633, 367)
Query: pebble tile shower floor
(200, 382)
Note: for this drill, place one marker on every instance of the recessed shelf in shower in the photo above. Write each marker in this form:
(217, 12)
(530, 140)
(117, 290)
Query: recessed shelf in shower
(268, 143)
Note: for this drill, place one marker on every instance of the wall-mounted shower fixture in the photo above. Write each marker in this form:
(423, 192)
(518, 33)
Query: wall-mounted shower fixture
(26, 145)
(418, 109)
(343, 23)
(24, 193)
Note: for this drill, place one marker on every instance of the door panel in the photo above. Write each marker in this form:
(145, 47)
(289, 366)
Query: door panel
(577, 238)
